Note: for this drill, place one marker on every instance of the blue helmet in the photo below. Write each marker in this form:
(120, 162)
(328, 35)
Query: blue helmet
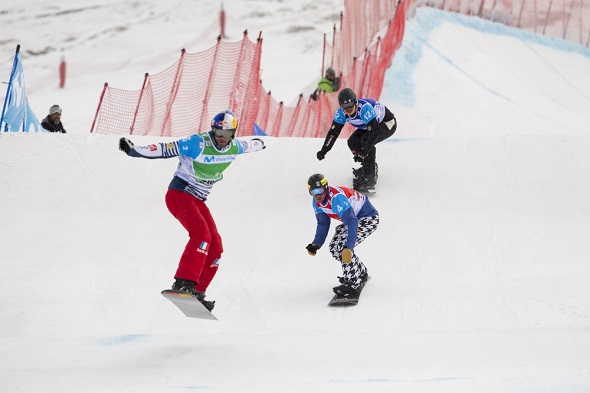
(225, 120)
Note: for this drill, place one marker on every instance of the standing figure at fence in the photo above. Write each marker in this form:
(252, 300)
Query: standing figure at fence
(373, 121)
(203, 158)
(52, 121)
(328, 84)
(359, 220)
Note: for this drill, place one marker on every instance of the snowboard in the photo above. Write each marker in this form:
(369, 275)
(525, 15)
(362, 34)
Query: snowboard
(369, 191)
(188, 304)
(350, 300)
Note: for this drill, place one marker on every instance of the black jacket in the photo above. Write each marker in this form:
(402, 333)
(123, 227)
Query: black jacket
(51, 126)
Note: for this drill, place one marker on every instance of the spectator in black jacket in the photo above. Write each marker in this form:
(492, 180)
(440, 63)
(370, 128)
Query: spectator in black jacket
(52, 122)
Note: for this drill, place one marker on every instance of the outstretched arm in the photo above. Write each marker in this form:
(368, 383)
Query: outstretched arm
(333, 134)
(255, 144)
(157, 150)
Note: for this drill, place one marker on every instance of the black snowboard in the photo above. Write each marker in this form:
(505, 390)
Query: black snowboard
(350, 300)
(368, 191)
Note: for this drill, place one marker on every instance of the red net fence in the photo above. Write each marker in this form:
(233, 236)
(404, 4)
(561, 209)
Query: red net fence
(566, 19)
(181, 100)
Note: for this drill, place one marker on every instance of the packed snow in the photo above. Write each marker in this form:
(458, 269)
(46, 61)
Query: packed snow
(480, 266)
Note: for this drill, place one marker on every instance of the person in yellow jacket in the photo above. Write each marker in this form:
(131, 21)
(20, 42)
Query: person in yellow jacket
(328, 84)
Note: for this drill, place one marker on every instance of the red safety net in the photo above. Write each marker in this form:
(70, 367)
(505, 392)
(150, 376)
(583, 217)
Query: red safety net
(566, 19)
(181, 100)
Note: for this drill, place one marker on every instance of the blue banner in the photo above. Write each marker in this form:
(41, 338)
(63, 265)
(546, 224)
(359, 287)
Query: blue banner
(18, 116)
(259, 131)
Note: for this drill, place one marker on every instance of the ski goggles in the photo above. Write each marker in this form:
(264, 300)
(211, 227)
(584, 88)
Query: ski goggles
(224, 133)
(316, 191)
(348, 105)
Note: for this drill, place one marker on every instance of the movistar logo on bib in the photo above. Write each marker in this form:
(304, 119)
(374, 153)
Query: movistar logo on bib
(217, 159)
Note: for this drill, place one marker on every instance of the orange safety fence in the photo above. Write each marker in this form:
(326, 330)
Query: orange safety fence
(181, 100)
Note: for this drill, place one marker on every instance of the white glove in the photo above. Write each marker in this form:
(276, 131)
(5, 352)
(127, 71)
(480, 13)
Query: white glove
(259, 140)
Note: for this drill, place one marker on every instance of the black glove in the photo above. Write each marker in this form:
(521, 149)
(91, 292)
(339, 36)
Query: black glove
(125, 145)
(321, 155)
(312, 248)
(261, 141)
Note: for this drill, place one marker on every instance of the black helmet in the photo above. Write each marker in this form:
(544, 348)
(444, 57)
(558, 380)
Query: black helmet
(317, 182)
(347, 98)
(330, 71)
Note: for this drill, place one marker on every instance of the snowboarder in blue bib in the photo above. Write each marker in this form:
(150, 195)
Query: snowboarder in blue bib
(359, 219)
(373, 122)
(203, 158)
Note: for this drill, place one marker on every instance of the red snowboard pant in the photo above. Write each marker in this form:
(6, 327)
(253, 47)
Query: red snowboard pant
(202, 252)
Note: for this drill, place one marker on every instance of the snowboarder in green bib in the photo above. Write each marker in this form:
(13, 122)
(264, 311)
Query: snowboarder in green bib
(203, 158)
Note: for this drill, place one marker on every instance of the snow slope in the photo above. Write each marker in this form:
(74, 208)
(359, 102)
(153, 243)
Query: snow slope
(479, 267)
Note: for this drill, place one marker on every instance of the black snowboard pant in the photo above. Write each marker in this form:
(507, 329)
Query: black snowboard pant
(354, 270)
(361, 138)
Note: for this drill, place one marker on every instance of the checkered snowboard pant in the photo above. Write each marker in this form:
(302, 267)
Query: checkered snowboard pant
(354, 270)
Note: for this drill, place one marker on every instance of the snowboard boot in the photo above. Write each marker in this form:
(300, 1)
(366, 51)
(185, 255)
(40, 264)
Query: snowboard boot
(209, 305)
(346, 288)
(365, 277)
(188, 286)
(183, 285)
(357, 173)
(364, 181)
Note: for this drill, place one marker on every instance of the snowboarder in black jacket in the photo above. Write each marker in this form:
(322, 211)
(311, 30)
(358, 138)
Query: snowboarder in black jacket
(373, 121)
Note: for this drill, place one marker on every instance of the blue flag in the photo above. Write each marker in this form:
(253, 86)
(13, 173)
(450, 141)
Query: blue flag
(19, 116)
(259, 131)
